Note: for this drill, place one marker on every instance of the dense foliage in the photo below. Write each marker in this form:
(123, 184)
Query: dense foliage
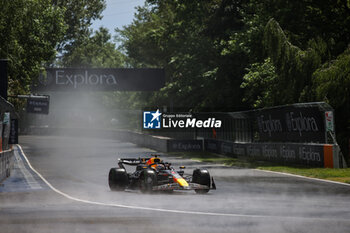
(225, 55)
(207, 47)
(35, 32)
(219, 55)
(29, 32)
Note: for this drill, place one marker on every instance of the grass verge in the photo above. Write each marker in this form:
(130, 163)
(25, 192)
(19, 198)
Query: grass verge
(339, 175)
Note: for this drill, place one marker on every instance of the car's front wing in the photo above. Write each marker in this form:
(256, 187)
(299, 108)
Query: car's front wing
(176, 186)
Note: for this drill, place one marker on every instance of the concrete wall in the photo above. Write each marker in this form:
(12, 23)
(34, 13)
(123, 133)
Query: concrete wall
(6, 164)
(307, 154)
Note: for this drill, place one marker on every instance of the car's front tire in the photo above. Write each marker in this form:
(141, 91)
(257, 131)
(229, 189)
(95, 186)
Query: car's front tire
(201, 176)
(118, 179)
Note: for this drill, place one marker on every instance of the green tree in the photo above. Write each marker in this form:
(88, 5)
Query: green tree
(304, 20)
(259, 84)
(96, 50)
(332, 84)
(206, 44)
(332, 81)
(293, 65)
(178, 36)
(30, 31)
(78, 17)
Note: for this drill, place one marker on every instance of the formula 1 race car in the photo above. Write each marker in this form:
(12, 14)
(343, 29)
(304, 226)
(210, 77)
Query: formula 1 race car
(152, 174)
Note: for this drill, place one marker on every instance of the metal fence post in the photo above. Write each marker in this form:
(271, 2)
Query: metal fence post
(3, 78)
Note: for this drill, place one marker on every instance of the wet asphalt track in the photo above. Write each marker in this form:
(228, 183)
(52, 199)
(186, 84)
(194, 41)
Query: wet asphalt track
(246, 200)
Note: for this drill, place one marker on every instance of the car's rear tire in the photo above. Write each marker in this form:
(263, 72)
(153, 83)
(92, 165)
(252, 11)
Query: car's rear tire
(201, 176)
(148, 179)
(118, 179)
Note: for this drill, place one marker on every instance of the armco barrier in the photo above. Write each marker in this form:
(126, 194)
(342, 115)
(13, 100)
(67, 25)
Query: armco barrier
(307, 154)
(6, 164)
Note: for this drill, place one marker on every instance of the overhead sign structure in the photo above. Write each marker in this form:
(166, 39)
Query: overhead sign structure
(38, 105)
(96, 79)
(3, 78)
(1, 129)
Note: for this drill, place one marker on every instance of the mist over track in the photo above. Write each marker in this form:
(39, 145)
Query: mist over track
(246, 200)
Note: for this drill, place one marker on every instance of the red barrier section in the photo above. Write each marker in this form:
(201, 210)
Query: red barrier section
(328, 156)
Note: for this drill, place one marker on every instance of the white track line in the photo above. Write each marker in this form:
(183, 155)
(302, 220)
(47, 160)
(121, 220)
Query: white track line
(288, 174)
(33, 184)
(156, 209)
(303, 177)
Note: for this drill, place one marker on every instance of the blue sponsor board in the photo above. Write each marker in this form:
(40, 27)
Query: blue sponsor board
(39, 106)
(185, 145)
(285, 153)
(220, 147)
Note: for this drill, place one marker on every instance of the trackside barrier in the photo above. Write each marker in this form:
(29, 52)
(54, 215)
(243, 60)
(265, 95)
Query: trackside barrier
(6, 164)
(297, 123)
(7, 115)
(307, 154)
(158, 143)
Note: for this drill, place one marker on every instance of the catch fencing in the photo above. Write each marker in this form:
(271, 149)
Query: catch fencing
(299, 134)
(299, 123)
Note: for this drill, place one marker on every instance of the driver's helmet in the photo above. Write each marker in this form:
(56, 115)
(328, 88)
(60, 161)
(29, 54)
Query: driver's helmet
(154, 161)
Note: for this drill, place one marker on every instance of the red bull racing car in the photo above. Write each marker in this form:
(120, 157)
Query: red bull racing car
(152, 174)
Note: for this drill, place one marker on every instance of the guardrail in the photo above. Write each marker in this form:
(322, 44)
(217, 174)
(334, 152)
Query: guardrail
(6, 164)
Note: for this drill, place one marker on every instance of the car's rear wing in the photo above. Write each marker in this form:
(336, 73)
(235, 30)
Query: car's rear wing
(133, 161)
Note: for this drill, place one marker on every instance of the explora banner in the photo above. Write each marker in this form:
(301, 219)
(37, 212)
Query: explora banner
(158, 120)
(311, 155)
(108, 79)
(291, 124)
